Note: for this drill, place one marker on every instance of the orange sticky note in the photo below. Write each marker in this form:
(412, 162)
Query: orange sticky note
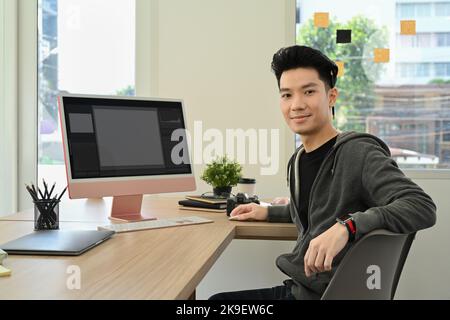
(381, 55)
(408, 27)
(321, 19)
(341, 70)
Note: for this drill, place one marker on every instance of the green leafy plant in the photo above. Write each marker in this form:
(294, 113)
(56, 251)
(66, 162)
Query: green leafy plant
(439, 81)
(222, 172)
(127, 91)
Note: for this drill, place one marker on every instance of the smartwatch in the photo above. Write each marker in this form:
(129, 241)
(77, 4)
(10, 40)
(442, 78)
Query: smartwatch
(348, 221)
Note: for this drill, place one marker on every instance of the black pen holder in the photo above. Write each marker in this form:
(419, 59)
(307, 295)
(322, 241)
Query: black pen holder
(46, 214)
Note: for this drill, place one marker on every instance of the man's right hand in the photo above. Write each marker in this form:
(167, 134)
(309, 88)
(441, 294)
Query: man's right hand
(250, 211)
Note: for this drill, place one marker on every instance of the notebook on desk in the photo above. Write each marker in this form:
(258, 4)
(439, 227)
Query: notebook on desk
(202, 209)
(197, 204)
(56, 242)
(207, 199)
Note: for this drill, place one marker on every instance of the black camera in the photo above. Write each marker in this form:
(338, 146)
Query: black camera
(240, 198)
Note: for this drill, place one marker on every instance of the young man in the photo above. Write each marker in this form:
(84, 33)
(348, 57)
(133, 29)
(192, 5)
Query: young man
(343, 184)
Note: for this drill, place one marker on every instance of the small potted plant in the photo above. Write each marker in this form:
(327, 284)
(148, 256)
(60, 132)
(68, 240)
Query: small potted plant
(222, 174)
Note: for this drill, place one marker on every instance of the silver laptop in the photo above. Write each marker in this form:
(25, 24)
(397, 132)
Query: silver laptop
(56, 242)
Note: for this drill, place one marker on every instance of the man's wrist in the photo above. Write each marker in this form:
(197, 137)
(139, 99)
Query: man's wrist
(349, 223)
(343, 231)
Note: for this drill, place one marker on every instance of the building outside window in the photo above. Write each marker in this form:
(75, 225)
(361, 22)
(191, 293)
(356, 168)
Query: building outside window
(404, 101)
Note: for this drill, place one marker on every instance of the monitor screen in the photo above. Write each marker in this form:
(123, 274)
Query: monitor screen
(125, 137)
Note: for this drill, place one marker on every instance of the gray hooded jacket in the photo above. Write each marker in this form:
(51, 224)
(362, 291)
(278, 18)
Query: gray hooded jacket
(357, 177)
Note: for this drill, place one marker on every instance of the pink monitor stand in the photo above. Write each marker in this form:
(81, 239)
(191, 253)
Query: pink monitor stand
(128, 209)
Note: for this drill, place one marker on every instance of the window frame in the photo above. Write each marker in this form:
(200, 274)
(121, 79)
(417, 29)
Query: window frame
(27, 98)
(8, 107)
(26, 18)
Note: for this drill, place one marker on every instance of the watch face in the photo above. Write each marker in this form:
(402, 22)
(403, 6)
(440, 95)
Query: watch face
(345, 217)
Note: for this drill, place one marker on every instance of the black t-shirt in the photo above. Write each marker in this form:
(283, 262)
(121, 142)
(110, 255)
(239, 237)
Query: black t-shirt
(309, 166)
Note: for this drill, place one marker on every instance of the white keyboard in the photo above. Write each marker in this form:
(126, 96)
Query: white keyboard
(154, 224)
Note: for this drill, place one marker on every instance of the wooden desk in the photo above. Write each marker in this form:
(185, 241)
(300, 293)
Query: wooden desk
(164, 263)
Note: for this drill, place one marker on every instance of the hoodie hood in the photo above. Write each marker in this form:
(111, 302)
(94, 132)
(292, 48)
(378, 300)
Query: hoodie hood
(342, 138)
(351, 135)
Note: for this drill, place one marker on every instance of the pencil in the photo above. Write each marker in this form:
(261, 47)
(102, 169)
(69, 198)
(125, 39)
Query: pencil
(62, 193)
(41, 194)
(31, 193)
(46, 189)
(51, 190)
(34, 190)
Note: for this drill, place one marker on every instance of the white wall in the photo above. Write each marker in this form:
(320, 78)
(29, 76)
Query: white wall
(216, 56)
(427, 271)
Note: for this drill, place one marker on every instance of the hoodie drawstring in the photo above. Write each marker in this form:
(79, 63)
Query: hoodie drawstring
(336, 154)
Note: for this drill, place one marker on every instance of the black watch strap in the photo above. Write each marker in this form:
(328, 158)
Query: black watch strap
(350, 224)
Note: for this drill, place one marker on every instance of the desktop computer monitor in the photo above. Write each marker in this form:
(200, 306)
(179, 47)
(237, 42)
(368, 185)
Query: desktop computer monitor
(124, 147)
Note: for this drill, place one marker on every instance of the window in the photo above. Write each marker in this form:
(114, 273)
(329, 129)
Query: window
(446, 131)
(403, 101)
(413, 10)
(442, 69)
(409, 70)
(414, 41)
(446, 155)
(422, 10)
(442, 9)
(423, 69)
(406, 41)
(443, 39)
(436, 69)
(445, 101)
(406, 10)
(423, 40)
(84, 47)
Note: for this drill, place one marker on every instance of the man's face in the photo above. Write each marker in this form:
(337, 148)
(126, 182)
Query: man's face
(304, 100)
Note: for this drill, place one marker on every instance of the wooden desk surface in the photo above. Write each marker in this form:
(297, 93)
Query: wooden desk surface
(164, 263)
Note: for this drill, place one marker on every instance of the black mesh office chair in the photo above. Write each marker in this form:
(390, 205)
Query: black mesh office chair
(379, 248)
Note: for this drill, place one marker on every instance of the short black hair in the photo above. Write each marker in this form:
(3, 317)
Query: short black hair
(305, 57)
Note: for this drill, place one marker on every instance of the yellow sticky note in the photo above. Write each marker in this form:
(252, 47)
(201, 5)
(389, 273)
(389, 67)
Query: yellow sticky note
(408, 27)
(4, 272)
(341, 70)
(381, 55)
(321, 19)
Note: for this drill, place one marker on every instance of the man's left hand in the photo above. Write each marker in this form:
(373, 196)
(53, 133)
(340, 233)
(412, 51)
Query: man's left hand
(322, 249)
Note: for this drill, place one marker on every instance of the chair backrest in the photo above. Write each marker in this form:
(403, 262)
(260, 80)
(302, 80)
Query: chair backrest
(371, 268)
